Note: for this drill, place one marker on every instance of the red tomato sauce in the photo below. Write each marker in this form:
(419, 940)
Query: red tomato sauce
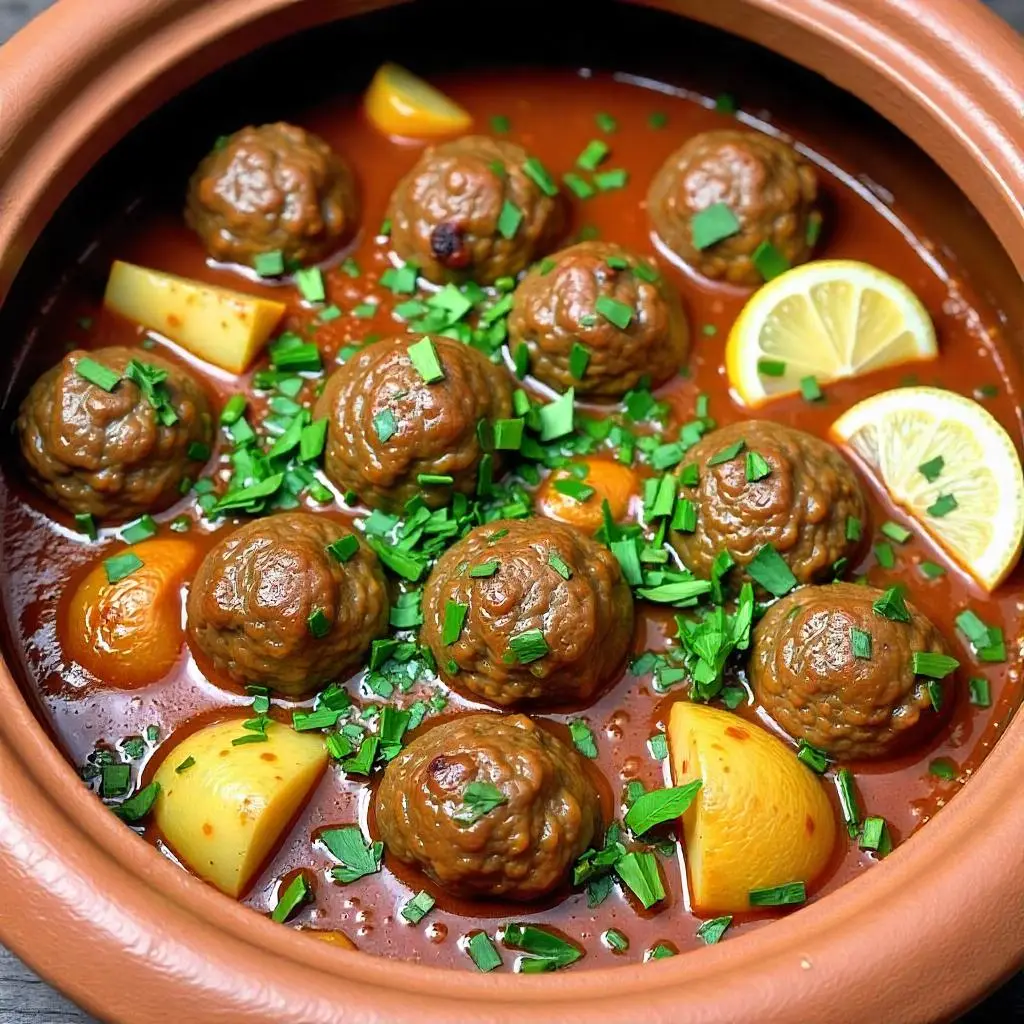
(46, 558)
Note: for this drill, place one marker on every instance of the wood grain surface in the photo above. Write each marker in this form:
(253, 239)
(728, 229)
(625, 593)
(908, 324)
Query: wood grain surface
(27, 999)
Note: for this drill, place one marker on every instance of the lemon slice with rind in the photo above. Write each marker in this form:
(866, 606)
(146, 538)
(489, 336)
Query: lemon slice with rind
(827, 319)
(948, 462)
(399, 103)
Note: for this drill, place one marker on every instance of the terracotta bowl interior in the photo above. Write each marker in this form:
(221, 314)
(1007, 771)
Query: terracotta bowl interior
(157, 157)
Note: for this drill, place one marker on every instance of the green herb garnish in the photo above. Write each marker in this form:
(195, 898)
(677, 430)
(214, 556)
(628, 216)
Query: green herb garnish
(891, 605)
(583, 738)
(482, 951)
(770, 263)
(96, 373)
(509, 220)
(291, 899)
(418, 907)
(712, 931)
(713, 224)
(528, 646)
(660, 805)
(769, 569)
(779, 895)
(478, 800)
(358, 857)
(932, 469)
(119, 566)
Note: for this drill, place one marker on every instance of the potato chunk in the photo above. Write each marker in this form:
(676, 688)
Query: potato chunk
(761, 818)
(224, 811)
(128, 633)
(226, 328)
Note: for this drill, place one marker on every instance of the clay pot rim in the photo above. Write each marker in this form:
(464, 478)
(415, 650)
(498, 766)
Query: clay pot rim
(879, 948)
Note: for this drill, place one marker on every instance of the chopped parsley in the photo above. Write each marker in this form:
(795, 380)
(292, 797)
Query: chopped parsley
(713, 224)
(545, 951)
(779, 895)
(417, 908)
(295, 894)
(712, 931)
(583, 738)
(770, 263)
(96, 373)
(593, 155)
(892, 605)
(528, 646)
(424, 358)
(482, 952)
(454, 618)
(478, 800)
(660, 805)
(509, 220)
(769, 569)
(117, 567)
(357, 856)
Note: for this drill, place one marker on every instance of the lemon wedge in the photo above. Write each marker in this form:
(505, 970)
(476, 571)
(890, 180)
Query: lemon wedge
(825, 320)
(399, 103)
(946, 460)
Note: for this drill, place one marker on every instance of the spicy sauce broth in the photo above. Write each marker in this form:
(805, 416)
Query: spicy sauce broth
(551, 115)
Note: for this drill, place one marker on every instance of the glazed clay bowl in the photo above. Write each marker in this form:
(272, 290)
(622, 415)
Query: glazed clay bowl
(130, 937)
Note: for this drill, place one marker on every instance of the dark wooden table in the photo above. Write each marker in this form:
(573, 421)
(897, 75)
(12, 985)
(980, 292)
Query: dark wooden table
(27, 999)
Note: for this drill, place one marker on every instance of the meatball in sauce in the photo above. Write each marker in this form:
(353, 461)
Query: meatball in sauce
(770, 189)
(835, 667)
(801, 502)
(600, 319)
(272, 189)
(489, 805)
(113, 433)
(469, 211)
(550, 625)
(395, 432)
(288, 602)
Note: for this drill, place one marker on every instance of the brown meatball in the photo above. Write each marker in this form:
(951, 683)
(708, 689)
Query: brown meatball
(801, 507)
(272, 606)
(114, 454)
(446, 213)
(555, 309)
(586, 620)
(429, 810)
(806, 676)
(387, 426)
(272, 188)
(769, 187)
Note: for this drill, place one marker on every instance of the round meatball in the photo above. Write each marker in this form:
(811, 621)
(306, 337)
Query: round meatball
(550, 625)
(468, 210)
(557, 309)
(768, 186)
(275, 188)
(489, 805)
(290, 601)
(117, 453)
(802, 507)
(836, 673)
(388, 427)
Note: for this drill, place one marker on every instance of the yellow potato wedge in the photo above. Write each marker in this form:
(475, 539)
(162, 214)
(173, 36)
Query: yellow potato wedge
(223, 806)
(226, 328)
(761, 818)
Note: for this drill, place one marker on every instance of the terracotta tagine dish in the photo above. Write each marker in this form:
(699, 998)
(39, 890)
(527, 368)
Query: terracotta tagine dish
(544, 501)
